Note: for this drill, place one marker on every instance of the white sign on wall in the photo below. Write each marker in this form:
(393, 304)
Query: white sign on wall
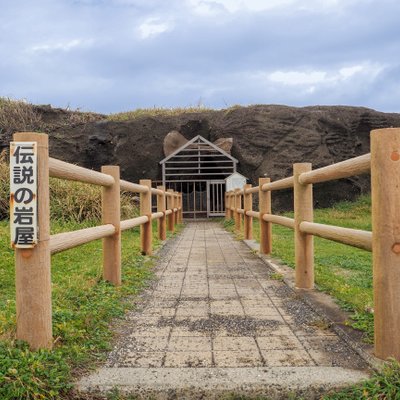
(23, 194)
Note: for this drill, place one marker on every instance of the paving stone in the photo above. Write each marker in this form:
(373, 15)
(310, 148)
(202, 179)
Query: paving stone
(284, 358)
(189, 343)
(215, 307)
(240, 343)
(234, 359)
(190, 359)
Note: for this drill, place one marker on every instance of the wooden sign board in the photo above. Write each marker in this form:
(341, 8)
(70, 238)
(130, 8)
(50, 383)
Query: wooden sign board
(23, 194)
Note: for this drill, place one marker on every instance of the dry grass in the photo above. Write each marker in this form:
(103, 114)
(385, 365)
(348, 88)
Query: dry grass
(156, 112)
(69, 201)
(16, 115)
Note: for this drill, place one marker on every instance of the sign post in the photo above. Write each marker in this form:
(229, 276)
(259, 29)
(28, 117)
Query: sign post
(23, 194)
(30, 232)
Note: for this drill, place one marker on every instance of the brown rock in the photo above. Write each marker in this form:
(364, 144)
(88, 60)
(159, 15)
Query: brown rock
(173, 141)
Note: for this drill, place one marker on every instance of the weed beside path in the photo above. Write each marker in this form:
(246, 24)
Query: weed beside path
(83, 308)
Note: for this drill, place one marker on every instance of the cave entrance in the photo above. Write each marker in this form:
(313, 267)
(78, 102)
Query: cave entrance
(198, 170)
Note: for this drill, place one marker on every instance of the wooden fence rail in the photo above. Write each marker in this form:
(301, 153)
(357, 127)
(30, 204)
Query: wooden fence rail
(384, 241)
(33, 265)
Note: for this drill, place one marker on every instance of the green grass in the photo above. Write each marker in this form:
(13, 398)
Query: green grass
(83, 308)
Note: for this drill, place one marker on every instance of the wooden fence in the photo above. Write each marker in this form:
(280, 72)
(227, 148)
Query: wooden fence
(33, 266)
(384, 241)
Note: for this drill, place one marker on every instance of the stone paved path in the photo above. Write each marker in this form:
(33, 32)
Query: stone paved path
(218, 320)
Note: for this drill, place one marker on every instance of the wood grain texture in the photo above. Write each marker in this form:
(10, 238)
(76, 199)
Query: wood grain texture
(67, 240)
(133, 222)
(146, 230)
(132, 187)
(352, 237)
(71, 172)
(279, 220)
(171, 215)
(248, 206)
(285, 183)
(385, 176)
(238, 206)
(354, 166)
(111, 214)
(264, 201)
(161, 207)
(304, 242)
(33, 266)
(254, 214)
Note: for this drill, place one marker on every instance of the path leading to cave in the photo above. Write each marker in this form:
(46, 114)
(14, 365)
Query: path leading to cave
(216, 322)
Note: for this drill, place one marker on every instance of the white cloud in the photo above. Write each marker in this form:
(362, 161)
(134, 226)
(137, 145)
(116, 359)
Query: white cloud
(212, 7)
(297, 77)
(365, 71)
(60, 46)
(153, 27)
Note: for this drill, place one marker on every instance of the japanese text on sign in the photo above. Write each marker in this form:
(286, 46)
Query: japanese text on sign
(23, 194)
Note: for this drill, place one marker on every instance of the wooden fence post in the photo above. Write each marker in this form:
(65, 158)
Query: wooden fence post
(248, 206)
(171, 217)
(385, 187)
(111, 214)
(230, 204)
(238, 204)
(33, 266)
(304, 243)
(180, 205)
(161, 222)
(226, 205)
(146, 231)
(264, 199)
(176, 218)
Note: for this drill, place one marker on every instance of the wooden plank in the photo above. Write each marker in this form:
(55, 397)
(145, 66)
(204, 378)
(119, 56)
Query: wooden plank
(133, 187)
(252, 190)
(354, 166)
(67, 240)
(279, 220)
(71, 172)
(133, 222)
(285, 183)
(385, 179)
(254, 214)
(351, 237)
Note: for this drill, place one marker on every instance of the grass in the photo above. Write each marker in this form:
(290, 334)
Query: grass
(83, 307)
(156, 112)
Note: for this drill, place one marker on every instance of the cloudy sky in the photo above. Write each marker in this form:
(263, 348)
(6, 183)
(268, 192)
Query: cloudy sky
(117, 55)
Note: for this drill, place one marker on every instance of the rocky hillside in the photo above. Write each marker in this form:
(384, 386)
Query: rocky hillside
(267, 140)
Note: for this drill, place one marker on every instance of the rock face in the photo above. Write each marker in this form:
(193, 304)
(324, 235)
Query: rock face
(267, 140)
(173, 141)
